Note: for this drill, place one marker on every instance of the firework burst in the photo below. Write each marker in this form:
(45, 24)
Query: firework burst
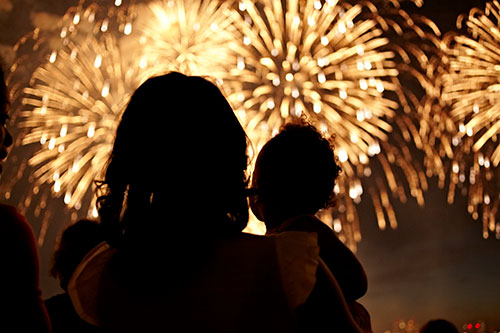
(328, 61)
(68, 111)
(191, 37)
(471, 89)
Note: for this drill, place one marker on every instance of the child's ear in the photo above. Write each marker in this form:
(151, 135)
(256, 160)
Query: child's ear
(255, 204)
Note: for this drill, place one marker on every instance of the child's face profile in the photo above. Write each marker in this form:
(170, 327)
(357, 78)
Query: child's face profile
(255, 203)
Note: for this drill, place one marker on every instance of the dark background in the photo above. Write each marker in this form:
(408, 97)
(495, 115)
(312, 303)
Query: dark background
(435, 265)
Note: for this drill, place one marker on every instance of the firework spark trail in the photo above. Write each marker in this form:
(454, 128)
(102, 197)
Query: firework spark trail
(329, 61)
(189, 36)
(471, 88)
(69, 110)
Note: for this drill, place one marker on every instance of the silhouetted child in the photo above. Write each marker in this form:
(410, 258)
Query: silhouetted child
(294, 177)
(76, 241)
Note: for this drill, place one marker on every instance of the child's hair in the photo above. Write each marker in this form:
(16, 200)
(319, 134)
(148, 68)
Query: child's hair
(76, 241)
(296, 170)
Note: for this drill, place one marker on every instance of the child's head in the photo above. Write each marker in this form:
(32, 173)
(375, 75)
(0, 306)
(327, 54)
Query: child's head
(76, 241)
(294, 174)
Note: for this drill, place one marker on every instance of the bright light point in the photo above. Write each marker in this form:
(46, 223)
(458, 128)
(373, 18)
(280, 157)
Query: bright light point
(363, 159)
(241, 63)
(143, 63)
(354, 138)
(60, 149)
(368, 65)
(52, 143)
(105, 90)
(57, 186)
(274, 52)
(43, 139)
(246, 40)
(295, 93)
(128, 29)
(242, 6)
(360, 50)
(76, 18)
(487, 199)
(64, 131)
(343, 94)
(324, 40)
(214, 26)
(270, 104)
(118, 3)
(373, 149)
(342, 27)
(353, 193)
(461, 128)
(380, 87)
(311, 21)
(470, 131)
(95, 214)
(98, 61)
(360, 115)
(337, 225)
(276, 82)
(43, 110)
(91, 131)
(360, 66)
(321, 77)
(289, 77)
(104, 26)
(53, 57)
(363, 85)
(455, 168)
(317, 108)
(475, 108)
(67, 198)
(342, 155)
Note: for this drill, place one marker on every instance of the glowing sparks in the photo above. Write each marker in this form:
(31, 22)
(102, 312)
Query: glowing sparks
(471, 92)
(69, 112)
(189, 36)
(330, 62)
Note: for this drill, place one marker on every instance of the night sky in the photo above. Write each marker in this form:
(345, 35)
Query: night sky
(435, 265)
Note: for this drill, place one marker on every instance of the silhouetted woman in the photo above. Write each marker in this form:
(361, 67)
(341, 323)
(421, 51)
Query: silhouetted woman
(174, 203)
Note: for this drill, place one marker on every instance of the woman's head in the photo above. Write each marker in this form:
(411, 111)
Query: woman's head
(179, 150)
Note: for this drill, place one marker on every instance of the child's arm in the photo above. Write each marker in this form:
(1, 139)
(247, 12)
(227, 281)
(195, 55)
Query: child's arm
(339, 258)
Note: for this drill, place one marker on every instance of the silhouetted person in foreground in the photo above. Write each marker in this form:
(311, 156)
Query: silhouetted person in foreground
(294, 177)
(174, 203)
(439, 326)
(76, 241)
(23, 309)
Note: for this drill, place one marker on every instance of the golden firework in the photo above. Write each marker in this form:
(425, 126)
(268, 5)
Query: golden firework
(331, 62)
(189, 36)
(68, 112)
(471, 89)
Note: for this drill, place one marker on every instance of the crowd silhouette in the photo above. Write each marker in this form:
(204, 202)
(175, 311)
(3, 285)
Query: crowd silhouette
(169, 254)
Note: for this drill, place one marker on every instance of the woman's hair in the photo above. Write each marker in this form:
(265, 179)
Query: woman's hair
(4, 97)
(178, 163)
(296, 170)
